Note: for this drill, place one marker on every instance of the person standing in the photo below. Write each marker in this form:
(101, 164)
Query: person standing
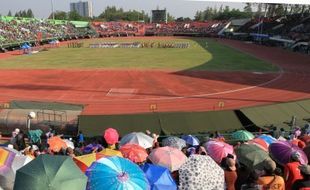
(292, 171)
(303, 184)
(270, 180)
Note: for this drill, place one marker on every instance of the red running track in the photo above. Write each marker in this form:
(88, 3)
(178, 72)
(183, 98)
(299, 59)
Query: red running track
(132, 91)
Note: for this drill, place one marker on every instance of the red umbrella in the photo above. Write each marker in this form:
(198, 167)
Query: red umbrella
(111, 136)
(134, 152)
(260, 143)
(301, 144)
(306, 139)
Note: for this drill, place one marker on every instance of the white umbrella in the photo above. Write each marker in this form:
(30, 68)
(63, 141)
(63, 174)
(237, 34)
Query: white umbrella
(138, 138)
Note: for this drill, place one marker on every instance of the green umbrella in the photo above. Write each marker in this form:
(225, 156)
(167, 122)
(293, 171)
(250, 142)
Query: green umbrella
(242, 135)
(50, 173)
(251, 156)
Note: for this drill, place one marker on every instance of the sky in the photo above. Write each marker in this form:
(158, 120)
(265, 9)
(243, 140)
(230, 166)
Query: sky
(177, 8)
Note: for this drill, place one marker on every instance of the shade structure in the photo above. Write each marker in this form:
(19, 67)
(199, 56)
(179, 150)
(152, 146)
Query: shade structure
(168, 157)
(260, 143)
(111, 152)
(191, 140)
(251, 156)
(281, 151)
(174, 142)
(242, 135)
(201, 172)
(134, 152)
(159, 177)
(218, 150)
(268, 139)
(56, 143)
(137, 138)
(116, 173)
(52, 172)
(111, 136)
(83, 162)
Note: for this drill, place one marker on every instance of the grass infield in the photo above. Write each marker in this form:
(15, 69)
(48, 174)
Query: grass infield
(203, 54)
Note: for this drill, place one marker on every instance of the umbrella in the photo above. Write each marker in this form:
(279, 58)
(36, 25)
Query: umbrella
(92, 147)
(306, 139)
(83, 162)
(50, 172)
(251, 156)
(69, 143)
(201, 172)
(268, 139)
(281, 151)
(134, 152)
(169, 157)
(56, 143)
(111, 136)
(242, 135)
(301, 144)
(174, 142)
(260, 143)
(111, 152)
(218, 150)
(159, 177)
(191, 140)
(138, 138)
(6, 160)
(115, 173)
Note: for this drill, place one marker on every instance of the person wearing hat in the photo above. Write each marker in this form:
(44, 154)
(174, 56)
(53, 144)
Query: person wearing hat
(270, 180)
(230, 172)
(303, 184)
(291, 170)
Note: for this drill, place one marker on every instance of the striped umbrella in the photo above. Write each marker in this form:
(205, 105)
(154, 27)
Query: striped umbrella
(83, 162)
(137, 138)
(268, 139)
(260, 143)
(113, 173)
(168, 157)
(6, 160)
(242, 135)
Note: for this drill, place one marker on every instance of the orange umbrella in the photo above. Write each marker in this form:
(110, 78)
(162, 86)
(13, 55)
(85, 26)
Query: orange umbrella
(260, 143)
(134, 152)
(56, 143)
(83, 162)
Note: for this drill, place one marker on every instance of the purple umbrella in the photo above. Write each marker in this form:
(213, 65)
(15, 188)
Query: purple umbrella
(281, 151)
(91, 147)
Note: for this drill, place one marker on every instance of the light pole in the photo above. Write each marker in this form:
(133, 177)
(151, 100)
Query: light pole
(30, 116)
(52, 5)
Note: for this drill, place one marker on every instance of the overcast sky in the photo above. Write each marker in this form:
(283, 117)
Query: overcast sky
(178, 8)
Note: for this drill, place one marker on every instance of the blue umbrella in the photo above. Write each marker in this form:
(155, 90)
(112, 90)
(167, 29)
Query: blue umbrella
(91, 147)
(159, 177)
(268, 139)
(115, 173)
(191, 140)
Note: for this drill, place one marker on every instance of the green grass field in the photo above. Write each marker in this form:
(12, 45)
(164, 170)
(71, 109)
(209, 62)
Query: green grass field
(214, 56)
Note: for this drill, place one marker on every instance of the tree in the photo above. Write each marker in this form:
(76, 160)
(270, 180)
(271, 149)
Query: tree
(29, 14)
(248, 8)
(59, 15)
(9, 13)
(280, 10)
(73, 15)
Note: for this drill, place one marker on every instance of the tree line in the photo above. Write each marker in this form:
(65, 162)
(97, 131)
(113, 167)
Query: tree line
(111, 13)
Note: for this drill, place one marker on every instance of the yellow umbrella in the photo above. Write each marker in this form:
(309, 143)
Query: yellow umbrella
(110, 152)
(83, 162)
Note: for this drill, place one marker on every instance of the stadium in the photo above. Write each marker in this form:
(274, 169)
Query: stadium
(170, 78)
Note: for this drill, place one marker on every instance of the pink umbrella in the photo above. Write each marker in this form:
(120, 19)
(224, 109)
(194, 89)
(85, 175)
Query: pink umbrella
(218, 150)
(111, 136)
(168, 157)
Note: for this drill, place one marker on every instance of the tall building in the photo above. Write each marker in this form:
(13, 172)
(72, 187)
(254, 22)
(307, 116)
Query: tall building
(159, 16)
(84, 8)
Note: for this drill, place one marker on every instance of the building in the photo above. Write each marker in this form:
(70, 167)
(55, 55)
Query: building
(159, 16)
(84, 8)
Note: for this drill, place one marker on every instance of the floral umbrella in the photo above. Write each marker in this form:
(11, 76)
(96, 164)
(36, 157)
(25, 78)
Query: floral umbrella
(174, 142)
(201, 172)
